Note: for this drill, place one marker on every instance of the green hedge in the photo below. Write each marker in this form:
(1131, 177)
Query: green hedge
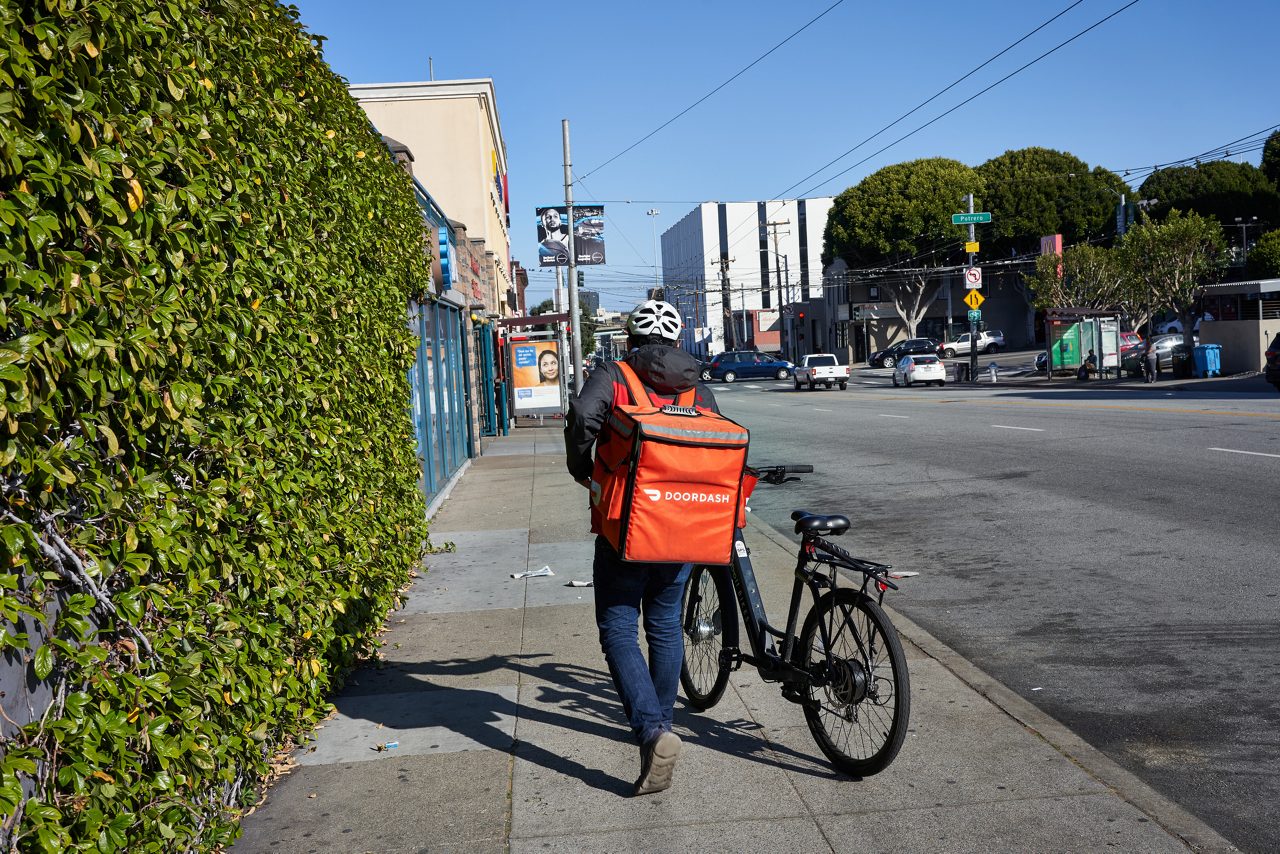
(209, 476)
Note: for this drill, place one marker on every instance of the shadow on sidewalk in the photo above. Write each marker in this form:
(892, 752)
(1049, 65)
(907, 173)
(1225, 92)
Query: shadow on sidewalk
(581, 700)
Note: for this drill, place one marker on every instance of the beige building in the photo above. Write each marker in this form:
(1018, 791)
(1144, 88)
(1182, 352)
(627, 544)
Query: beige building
(452, 129)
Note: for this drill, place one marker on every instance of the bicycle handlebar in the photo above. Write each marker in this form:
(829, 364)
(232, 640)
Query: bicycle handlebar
(778, 474)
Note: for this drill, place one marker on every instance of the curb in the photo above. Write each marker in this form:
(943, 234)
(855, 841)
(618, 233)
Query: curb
(1129, 787)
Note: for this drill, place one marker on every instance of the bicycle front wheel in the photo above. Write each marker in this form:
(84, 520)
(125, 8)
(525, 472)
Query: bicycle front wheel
(858, 699)
(710, 623)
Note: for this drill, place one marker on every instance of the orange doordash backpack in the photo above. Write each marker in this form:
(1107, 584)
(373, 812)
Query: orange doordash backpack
(667, 482)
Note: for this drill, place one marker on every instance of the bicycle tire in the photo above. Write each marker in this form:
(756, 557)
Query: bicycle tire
(708, 625)
(859, 722)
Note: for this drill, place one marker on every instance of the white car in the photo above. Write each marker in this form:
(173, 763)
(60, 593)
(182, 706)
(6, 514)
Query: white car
(991, 341)
(1174, 327)
(919, 368)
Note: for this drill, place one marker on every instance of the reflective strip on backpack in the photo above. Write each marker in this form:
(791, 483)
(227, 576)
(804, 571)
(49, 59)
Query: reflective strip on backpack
(720, 437)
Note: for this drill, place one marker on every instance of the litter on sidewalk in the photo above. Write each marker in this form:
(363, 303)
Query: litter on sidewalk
(533, 573)
(577, 582)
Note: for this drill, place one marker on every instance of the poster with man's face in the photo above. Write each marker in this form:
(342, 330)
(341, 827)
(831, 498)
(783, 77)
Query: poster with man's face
(553, 237)
(588, 235)
(536, 369)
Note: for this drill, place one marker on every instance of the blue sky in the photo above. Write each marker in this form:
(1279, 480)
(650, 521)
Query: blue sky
(1161, 81)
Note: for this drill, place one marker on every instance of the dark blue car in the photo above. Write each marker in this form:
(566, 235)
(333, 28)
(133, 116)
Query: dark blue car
(748, 364)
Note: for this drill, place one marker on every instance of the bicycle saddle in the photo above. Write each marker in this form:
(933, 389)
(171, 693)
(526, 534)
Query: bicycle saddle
(813, 523)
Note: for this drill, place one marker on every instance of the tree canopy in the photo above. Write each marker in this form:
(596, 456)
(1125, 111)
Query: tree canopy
(1170, 261)
(1221, 189)
(1032, 192)
(1264, 257)
(1271, 160)
(901, 216)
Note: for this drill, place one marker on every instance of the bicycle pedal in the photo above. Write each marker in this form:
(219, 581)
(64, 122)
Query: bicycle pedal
(731, 657)
(791, 691)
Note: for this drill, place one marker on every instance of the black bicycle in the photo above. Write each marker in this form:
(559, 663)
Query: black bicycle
(846, 668)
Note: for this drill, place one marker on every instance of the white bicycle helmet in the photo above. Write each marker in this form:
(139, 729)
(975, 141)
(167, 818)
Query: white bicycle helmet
(655, 317)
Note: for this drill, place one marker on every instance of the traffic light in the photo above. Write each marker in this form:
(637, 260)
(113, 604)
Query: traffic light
(801, 315)
(582, 279)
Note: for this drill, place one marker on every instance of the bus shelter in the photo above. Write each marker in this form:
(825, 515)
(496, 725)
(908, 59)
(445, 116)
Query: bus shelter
(1070, 333)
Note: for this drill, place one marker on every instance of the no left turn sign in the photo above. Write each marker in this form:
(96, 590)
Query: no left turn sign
(973, 278)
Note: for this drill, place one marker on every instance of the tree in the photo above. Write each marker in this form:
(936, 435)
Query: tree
(1033, 192)
(1221, 189)
(900, 216)
(1086, 276)
(1271, 159)
(1171, 261)
(589, 324)
(1264, 257)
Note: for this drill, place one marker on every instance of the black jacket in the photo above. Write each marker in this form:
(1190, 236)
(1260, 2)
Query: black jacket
(665, 371)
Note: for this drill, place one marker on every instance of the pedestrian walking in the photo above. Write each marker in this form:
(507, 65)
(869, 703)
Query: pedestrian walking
(627, 590)
(1150, 364)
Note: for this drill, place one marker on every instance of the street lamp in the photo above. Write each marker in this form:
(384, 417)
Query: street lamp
(1244, 234)
(653, 213)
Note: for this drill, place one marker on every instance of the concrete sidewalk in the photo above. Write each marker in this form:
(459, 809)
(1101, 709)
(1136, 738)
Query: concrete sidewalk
(510, 737)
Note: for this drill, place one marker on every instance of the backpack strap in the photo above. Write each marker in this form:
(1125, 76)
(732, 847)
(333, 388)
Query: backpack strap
(639, 393)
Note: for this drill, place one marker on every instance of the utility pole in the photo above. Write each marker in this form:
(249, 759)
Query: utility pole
(560, 336)
(653, 215)
(730, 332)
(578, 380)
(973, 324)
(772, 225)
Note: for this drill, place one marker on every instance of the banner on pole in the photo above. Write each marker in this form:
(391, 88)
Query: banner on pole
(553, 235)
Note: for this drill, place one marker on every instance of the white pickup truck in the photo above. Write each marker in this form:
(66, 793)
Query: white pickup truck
(821, 369)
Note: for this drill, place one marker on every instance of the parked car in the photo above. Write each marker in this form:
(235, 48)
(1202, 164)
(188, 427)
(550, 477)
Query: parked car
(1131, 359)
(1175, 326)
(990, 341)
(821, 369)
(1129, 339)
(919, 368)
(889, 356)
(1272, 372)
(748, 364)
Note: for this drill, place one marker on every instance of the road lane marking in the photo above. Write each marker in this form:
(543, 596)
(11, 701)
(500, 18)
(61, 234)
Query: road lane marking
(775, 404)
(927, 400)
(1250, 453)
(1007, 427)
(882, 415)
(720, 387)
(818, 409)
(751, 386)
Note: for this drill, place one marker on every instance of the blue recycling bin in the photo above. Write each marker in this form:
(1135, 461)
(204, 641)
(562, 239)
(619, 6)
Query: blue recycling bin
(1208, 360)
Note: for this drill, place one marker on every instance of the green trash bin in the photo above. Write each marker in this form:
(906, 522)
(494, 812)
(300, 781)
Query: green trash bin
(1181, 362)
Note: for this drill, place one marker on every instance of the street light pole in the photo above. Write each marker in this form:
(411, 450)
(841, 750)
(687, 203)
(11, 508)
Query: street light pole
(1244, 235)
(653, 215)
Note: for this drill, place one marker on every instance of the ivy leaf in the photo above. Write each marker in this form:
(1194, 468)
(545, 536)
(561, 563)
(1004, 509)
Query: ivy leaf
(44, 662)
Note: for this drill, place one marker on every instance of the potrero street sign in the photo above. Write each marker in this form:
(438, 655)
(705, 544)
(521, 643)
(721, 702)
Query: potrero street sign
(970, 218)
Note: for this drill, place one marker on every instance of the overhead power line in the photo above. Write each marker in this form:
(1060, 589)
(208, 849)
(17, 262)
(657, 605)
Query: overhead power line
(930, 99)
(974, 97)
(742, 71)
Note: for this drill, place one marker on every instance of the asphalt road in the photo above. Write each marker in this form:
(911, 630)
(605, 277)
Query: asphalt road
(1110, 555)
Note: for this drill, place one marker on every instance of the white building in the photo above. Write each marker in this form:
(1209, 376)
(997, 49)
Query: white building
(733, 269)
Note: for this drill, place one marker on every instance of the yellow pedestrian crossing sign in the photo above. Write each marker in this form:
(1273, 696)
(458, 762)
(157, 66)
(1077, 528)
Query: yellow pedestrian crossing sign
(973, 299)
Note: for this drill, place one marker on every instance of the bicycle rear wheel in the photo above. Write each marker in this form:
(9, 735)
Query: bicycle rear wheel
(710, 624)
(857, 704)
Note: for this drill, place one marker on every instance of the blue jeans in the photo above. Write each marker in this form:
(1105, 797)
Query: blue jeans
(623, 592)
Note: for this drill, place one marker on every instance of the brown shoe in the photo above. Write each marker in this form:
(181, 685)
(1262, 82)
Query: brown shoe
(658, 764)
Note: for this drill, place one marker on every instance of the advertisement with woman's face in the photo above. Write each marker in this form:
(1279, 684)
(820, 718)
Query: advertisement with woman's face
(536, 375)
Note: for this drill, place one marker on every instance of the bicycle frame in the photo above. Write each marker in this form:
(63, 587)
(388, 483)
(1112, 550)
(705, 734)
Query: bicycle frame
(764, 656)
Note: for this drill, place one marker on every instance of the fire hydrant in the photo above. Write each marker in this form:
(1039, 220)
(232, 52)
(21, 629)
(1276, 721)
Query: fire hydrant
(993, 370)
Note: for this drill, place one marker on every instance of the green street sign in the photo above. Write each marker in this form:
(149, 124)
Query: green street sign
(967, 218)
(975, 315)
